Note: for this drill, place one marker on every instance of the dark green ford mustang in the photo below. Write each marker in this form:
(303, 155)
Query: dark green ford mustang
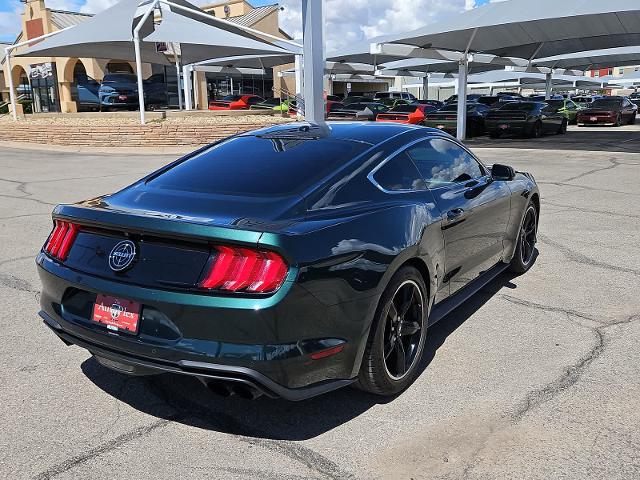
(287, 261)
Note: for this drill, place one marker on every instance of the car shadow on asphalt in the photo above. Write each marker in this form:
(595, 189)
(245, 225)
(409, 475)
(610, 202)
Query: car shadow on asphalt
(609, 139)
(185, 400)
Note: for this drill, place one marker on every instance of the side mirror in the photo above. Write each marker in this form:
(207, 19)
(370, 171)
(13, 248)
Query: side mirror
(502, 172)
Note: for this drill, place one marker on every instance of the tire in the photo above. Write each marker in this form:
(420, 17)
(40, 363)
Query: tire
(632, 120)
(536, 130)
(494, 134)
(525, 250)
(618, 121)
(563, 128)
(384, 370)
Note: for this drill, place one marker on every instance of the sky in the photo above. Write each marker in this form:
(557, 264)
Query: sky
(347, 21)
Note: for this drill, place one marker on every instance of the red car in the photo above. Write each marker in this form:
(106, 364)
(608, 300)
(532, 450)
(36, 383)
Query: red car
(412, 114)
(609, 111)
(235, 102)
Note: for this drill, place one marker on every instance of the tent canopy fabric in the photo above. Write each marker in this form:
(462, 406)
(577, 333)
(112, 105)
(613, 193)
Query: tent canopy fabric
(200, 41)
(531, 79)
(593, 59)
(251, 61)
(479, 63)
(107, 35)
(533, 29)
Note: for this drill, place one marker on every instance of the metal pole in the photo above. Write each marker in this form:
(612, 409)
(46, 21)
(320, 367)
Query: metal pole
(547, 93)
(425, 87)
(186, 83)
(175, 52)
(462, 99)
(313, 46)
(136, 44)
(12, 92)
(298, 73)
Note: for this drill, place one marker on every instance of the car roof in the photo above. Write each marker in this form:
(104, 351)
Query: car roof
(372, 133)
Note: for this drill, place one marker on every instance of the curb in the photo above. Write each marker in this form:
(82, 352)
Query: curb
(160, 150)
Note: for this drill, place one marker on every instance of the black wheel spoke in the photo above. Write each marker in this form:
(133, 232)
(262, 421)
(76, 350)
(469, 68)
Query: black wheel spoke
(408, 301)
(393, 311)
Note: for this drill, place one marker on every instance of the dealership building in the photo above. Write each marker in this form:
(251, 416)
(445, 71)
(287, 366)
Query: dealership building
(51, 84)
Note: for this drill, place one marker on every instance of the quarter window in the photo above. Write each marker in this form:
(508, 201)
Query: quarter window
(441, 163)
(399, 174)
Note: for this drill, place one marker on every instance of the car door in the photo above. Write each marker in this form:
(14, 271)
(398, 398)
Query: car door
(551, 119)
(474, 208)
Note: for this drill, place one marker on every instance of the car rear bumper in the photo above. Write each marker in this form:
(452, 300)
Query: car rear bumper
(269, 346)
(205, 371)
(511, 126)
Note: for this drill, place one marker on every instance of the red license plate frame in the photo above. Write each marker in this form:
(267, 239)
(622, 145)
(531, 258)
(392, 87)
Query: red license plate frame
(117, 314)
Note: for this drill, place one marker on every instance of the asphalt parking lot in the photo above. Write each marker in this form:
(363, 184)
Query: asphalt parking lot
(538, 377)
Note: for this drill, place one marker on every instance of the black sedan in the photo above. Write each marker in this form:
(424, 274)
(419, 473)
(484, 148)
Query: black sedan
(288, 261)
(446, 118)
(532, 119)
(614, 111)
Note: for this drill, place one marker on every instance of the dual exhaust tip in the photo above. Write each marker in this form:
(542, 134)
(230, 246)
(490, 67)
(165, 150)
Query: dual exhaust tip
(229, 389)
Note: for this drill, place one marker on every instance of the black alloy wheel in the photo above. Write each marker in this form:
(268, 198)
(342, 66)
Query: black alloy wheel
(403, 329)
(563, 127)
(396, 340)
(527, 239)
(618, 121)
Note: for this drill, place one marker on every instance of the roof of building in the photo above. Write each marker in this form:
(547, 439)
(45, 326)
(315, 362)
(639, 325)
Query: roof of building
(63, 19)
(254, 16)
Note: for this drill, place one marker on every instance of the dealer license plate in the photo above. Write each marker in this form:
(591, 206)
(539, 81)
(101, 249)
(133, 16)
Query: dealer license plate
(594, 119)
(441, 127)
(122, 97)
(503, 126)
(119, 315)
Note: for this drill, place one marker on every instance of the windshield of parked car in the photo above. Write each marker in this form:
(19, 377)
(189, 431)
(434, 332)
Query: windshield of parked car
(231, 98)
(519, 106)
(119, 78)
(557, 104)
(403, 109)
(453, 107)
(607, 103)
(279, 164)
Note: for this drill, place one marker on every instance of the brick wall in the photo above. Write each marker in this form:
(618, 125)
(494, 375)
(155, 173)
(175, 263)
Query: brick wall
(153, 134)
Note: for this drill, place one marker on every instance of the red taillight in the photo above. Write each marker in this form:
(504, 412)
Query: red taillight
(245, 270)
(61, 239)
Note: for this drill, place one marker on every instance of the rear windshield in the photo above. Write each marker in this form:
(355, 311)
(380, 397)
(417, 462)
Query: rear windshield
(555, 103)
(520, 106)
(403, 109)
(453, 107)
(252, 165)
(231, 98)
(120, 77)
(606, 103)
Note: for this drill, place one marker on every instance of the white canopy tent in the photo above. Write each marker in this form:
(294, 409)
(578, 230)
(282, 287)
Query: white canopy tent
(521, 29)
(131, 23)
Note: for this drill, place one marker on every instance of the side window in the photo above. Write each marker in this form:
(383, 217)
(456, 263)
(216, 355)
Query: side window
(399, 174)
(442, 163)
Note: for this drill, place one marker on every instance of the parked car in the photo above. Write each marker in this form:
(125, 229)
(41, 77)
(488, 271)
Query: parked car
(356, 99)
(330, 105)
(567, 107)
(472, 97)
(434, 103)
(85, 93)
(334, 98)
(585, 100)
(380, 96)
(496, 101)
(609, 111)
(155, 92)
(118, 90)
(447, 118)
(358, 111)
(394, 102)
(275, 104)
(412, 114)
(532, 119)
(235, 102)
(289, 261)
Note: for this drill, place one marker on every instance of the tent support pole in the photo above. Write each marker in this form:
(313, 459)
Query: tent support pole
(461, 130)
(186, 84)
(547, 89)
(425, 87)
(136, 44)
(314, 63)
(12, 91)
(178, 77)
